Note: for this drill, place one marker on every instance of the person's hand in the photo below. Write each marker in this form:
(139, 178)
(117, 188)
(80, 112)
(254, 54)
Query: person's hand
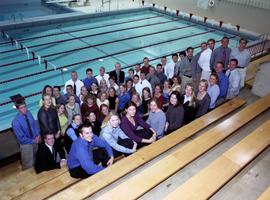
(57, 135)
(166, 126)
(110, 162)
(134, 146)
(37, 139)
(63, 162)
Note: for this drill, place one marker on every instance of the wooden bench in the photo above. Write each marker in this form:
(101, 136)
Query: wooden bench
(172, 163)
(209, 180)
(265, 195)
(124, 166)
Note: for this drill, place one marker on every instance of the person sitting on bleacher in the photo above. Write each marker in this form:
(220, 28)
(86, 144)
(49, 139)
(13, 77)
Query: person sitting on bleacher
(48, 155)
(27, 134)
(84, 158)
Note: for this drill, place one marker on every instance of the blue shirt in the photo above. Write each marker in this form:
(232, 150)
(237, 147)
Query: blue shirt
(223, 83)
(71, 133)
(21, 130)
(81, 154)
(123, 99)
(88, 82)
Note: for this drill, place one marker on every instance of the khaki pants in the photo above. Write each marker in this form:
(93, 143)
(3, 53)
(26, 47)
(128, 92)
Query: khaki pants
(243, 72)
(184, 82)
(28, 155)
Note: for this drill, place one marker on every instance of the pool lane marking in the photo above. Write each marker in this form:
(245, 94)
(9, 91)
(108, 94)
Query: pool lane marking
(100, 44)
(101, 57)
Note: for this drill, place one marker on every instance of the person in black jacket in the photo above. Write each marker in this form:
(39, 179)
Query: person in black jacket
(118, 74)
(48, 120)
(48, 156)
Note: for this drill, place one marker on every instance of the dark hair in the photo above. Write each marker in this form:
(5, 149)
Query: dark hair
(90, 96)
(234, 60)
(243, 39)
(164, 57)
(220, 62)
(69, 86)
(19, 103)
(58, 87)
(159, 65)
(129, 104)
(178, 97)
(75, 115)
(47, 133)
(146, 89)
(81, 127)
(131, 70)
(215, 75)
(145, 58)
(136, 76)
(174, 54)
(190, 48)
(225, 38)
(178, 78)
(211, 39)
(182, 53)
(203, 43)
(156, 100)
(45, 87)
(88, 70)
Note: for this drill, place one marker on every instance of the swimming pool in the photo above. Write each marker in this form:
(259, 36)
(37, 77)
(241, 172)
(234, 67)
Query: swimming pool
(18, 12)
(92, 41)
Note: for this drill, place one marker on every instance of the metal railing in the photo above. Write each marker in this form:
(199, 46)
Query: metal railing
(261, 46)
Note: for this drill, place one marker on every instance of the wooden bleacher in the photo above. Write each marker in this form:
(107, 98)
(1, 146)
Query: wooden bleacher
(172, 163)
(265, 195)
(130, 163)
(209, 180)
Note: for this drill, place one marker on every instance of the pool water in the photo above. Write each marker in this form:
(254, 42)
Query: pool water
(124, 38)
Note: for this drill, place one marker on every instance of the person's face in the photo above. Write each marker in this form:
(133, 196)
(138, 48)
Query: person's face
(182, 57)
(84, 91)
(157, 90)
(74, 76)
(188, 91)
(130, 74)
(173, 99)
(111, 93)
(94, 87)
(90, 101)
(211, 44)
(114, 121)
(102, 72)
(56, 92)
(71, 100)
(69, 90)
(153, 106)
(92, 117)
(137, 68)
(142, 76)
(48, 91)
(103, 97)
(202, 87)
(135, 80)
(105, 110)
(117, 67)
(219, 68)
(47, 101)
(146, 62)
(89, 74)
(134, 98)
(159, 69)
(212, 80)
(232, 65)
(49, 140)
(225, 43)
(190, 52)
(166, 84)
(146, 94)
(175, 59)
(203, 47)
(61, 109)
(122, 89)
(87, 134)
(131, 111)
(103, 83)
(22, 109)
(151, 71)
(163, 61)
(77, 120)
(242, 44)
(129, 84)
(175, 81)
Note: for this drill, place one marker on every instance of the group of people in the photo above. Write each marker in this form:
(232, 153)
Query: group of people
(99, 118)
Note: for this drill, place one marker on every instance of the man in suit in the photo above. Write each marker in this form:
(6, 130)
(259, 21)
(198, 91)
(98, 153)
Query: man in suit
(118, 74)
(48, 156)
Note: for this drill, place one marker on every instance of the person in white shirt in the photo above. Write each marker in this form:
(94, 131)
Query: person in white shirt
(170, 68)
(163, 62)
(137, 85)
(204, 61)
(234, 79)
(243, 56)
(137, 70)
(77, 84)
(145, 82)
(102, 75)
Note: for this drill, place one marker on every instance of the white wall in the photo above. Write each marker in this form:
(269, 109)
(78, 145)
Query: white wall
(250, 18)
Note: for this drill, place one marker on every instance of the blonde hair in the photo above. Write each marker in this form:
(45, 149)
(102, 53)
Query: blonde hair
(192, 101)
(108, 117)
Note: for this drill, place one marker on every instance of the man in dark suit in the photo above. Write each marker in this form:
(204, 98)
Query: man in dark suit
(48, 157)
(118, 74)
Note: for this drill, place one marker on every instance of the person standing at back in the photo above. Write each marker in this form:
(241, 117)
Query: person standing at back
(75, 82)
(27, 134)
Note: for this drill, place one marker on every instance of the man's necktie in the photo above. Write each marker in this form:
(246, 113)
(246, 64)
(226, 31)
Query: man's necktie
(29, 127)
(75, 88)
